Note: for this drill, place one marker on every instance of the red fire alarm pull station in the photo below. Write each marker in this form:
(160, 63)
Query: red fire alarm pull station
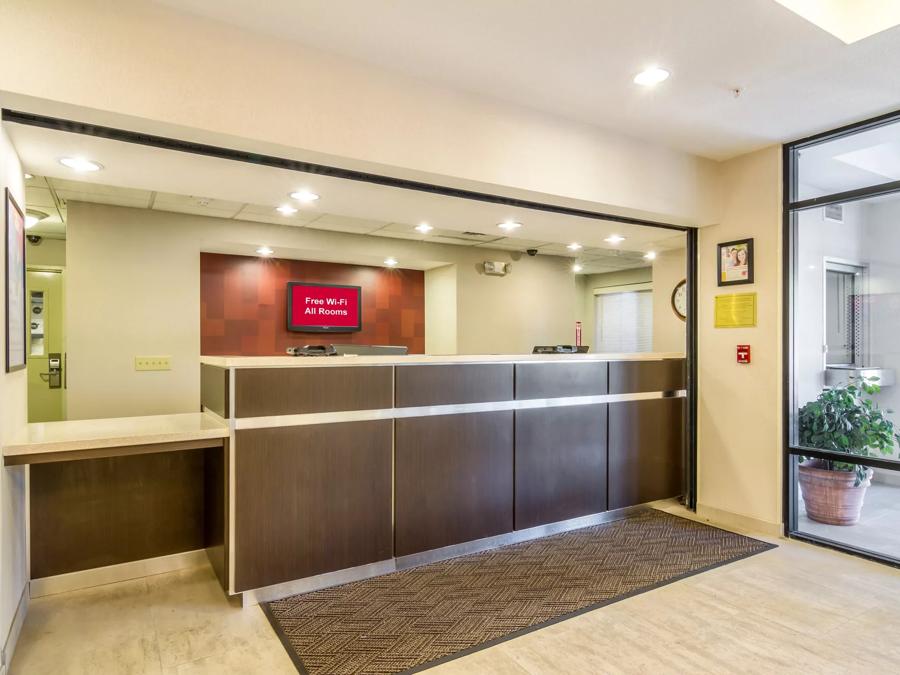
(743, 353)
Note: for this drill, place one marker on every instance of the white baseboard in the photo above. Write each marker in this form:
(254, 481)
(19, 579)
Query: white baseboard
(110, 574)
(738, 521)
(12, 638)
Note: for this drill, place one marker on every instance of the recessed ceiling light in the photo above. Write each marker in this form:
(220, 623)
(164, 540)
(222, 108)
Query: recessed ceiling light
(651, 76)
(304, 196)
(80, 164)
(33, 217)
(650, 255)
(28, 176)
(424, 228)
(391, 262)
(577, 268)
(286, 210)
(509, 225)
(614, 239)
(265, 250)
(574, 246)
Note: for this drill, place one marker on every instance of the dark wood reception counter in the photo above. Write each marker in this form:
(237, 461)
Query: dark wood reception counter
(344, 467)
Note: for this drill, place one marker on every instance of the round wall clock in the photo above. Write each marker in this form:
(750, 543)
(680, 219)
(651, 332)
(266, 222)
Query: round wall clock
(679, 300)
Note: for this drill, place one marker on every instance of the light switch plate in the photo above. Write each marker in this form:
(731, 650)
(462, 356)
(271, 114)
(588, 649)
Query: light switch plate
(153, 363)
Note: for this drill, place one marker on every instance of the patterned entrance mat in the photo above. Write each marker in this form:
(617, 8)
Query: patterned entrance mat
(414, 619)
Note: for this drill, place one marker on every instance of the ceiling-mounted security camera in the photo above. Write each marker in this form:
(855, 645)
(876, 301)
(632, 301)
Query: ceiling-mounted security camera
(531, 251)
(35, 239)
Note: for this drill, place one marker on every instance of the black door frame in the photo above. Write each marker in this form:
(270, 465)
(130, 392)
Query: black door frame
(790, 207)
(178, 145)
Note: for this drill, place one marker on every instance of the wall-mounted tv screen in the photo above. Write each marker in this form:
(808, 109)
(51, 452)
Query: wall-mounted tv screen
(323, 308)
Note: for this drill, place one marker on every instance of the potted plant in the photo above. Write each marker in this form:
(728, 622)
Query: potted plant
(842, 419)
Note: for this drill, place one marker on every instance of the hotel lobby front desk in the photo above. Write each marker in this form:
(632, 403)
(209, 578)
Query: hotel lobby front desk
(345, 467)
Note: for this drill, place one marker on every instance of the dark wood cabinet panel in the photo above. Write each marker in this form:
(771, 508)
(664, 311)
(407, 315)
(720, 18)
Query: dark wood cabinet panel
(311, 499)
(560, 464)
(95, 512)
(646, 441)
(214, 389)
(553, 380)
(454, 479)
(215, 510)
(422, 385)
(629, 377)
(289, 391)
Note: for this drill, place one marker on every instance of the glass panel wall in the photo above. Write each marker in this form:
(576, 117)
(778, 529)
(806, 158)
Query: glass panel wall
(843, 478)
(851, 161)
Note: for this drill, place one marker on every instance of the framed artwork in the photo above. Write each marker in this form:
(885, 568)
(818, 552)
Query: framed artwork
(736, 262)
(15, 285)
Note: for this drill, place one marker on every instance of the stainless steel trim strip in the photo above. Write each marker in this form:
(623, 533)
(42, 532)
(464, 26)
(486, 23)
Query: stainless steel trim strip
(232, 426)
(515, 537)
(316, 583)
(454, 409)
(329, 579)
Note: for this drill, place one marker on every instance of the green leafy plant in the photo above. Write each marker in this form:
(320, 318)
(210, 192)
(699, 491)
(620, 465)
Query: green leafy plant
(846, 419)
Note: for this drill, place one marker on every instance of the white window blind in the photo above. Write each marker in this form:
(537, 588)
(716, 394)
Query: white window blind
(624, 321)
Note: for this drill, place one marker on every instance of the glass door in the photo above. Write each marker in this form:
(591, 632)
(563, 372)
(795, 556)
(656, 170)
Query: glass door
(842, 285)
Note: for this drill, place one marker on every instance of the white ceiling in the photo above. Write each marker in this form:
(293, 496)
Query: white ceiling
(576, 59)
(164, 180)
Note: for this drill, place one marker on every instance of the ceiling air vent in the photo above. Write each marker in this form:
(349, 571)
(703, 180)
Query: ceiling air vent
(834, 213)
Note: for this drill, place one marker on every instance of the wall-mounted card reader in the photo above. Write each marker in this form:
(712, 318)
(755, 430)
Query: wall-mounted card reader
(54, 370)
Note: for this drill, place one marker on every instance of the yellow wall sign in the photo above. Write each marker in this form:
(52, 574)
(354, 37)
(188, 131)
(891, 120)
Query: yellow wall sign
(736, 310)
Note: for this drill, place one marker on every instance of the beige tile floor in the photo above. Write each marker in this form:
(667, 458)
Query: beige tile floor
(796, 609)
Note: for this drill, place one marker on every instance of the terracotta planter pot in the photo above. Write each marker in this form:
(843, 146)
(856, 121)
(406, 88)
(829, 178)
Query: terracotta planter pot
(831, 496)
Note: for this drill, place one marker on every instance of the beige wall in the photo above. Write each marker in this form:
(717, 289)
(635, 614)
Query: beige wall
(134, 289)
(203, 75)
(739, 434)
(589, 282)
(440, 310)
(50, 253)
(197, 75)
(532, 305)
(667, 270)
(13, 414)
(669, 332)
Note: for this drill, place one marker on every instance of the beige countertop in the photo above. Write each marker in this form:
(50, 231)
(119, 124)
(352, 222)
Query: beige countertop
(418, 359)
(48, 437)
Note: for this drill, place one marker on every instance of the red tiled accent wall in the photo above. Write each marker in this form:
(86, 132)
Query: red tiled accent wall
(243, 310)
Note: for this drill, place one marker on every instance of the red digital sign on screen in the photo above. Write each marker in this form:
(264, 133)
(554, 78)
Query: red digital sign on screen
(319, 308)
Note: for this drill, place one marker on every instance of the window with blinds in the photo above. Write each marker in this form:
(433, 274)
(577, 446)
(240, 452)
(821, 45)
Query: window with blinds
(624, 321)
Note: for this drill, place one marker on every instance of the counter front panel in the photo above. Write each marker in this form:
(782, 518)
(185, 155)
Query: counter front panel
(629, 377)
(555, 380)
(453, 384)
(263, 392)
(454, 479)
(560, 464)
(339, 464)
(646, 451)
(311, 499)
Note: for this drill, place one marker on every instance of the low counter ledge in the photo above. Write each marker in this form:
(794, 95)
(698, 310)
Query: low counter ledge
(423, 359)
(109, 437)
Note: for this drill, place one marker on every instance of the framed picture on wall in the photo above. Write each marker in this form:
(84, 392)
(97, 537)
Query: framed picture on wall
(15, 285)
(736, 262)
